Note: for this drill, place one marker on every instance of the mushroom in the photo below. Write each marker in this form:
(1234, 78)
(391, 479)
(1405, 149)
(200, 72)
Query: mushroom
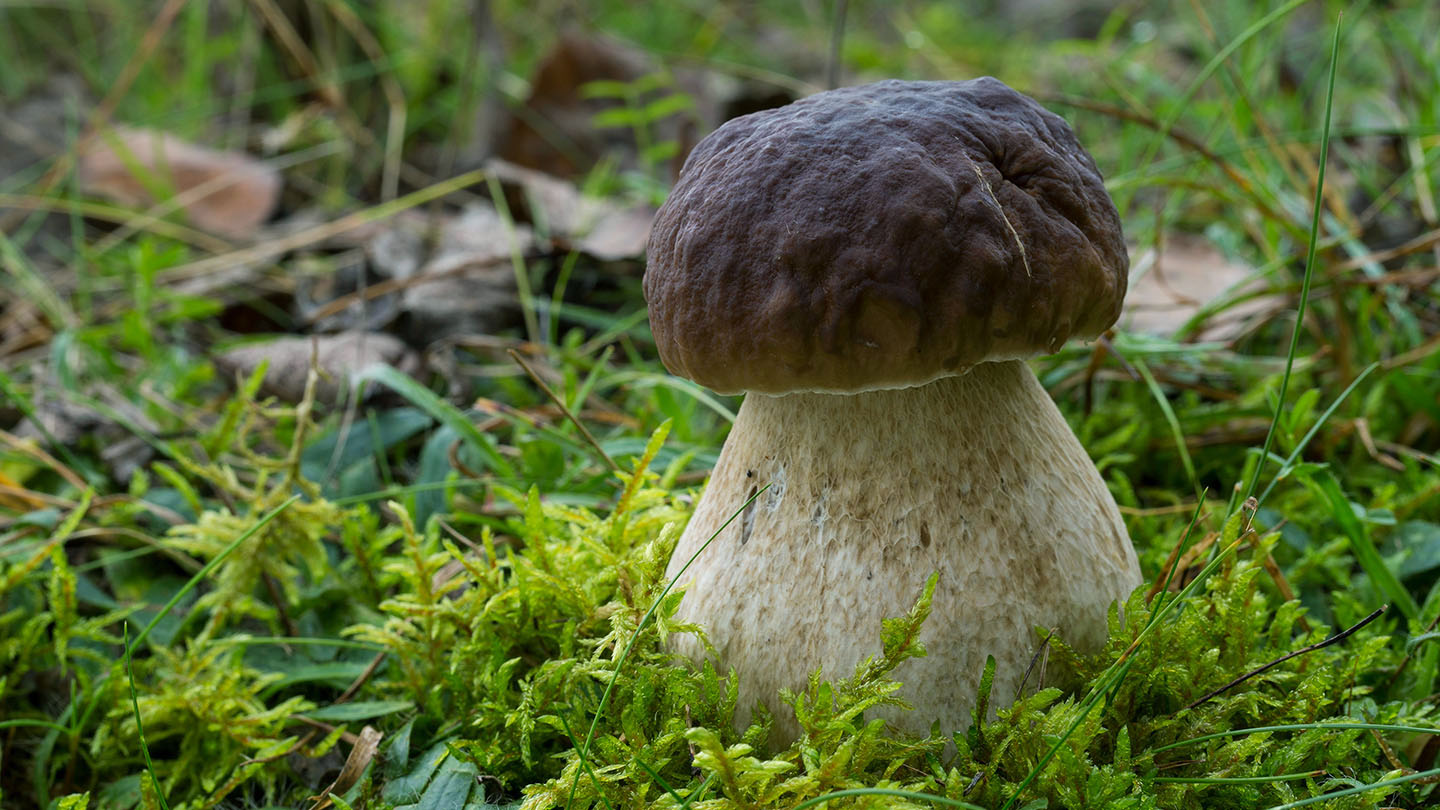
(872, 264)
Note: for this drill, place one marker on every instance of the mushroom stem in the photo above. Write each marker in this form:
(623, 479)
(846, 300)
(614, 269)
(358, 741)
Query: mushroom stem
(977, 477)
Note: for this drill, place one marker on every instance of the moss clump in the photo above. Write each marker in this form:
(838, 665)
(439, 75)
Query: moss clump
(529, 667)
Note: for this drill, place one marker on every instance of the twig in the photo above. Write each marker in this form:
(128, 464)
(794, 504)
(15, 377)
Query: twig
(1335, 639)
(383, 288)
(560, 403)
(348, 736)
(36, 452)
(1283, 585)
(1175, 563)
(1415, 245)
(1416, 354)
(1044, 646)
(276, 247)
(355, 685)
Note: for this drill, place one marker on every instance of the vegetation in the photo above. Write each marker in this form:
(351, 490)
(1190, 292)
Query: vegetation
(451, 593)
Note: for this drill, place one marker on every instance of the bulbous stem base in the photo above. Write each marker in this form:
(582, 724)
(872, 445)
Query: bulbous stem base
(977, 477)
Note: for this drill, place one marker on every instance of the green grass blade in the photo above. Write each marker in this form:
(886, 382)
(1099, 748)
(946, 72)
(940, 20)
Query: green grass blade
(33, 724)
(1364, 548)
(645, 620)
(1236, 780)
(1176, 433)
(426, 400)
(1399, 780)
(1290, 460)
(140, 727)
(1319, 207)
(1237, 732)
(1182, 102)
(901, 794)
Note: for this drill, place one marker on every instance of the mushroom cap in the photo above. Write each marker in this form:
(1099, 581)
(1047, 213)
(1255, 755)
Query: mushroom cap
(882, 236)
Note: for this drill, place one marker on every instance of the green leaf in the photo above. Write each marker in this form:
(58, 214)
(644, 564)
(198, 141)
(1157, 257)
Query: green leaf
(412, 785)
(335, 672)
(1420, 541)
(397, 751)
(616, 118)
(1366, 554)
(1416, 641)
(357, 442)
(604, 88)
(426, 400)
(669, 105)
(360, 710)
(434, 468)
(451, 786)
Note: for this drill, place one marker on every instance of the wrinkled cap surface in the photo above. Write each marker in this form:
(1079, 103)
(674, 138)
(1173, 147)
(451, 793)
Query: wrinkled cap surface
(882, 236)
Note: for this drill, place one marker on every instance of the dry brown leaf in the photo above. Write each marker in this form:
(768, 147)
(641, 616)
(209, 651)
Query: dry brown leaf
(594, 226)
(617, 234)
(361, 755)
(555, 131)
(473, 288)
(337, 356)
(1190, 274)
(228, 193)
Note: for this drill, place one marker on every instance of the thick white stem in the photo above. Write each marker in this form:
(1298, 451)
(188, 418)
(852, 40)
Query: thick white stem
(977, 477)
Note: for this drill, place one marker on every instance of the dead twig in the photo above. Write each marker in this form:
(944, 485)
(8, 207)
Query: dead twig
(1283, 586)
(1415, 245)
(1043, 649)
(1335, 639)
(560, 403)
(382, 288)
(370, 668)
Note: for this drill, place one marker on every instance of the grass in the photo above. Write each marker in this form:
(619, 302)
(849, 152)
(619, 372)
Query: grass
(460, 565)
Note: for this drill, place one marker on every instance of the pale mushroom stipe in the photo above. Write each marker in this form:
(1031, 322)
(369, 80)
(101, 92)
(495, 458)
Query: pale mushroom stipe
(873, 264)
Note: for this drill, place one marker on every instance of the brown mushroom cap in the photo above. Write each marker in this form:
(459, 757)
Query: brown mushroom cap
(882, 236)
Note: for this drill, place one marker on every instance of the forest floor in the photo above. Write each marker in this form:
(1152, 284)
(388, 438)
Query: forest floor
(338, 467)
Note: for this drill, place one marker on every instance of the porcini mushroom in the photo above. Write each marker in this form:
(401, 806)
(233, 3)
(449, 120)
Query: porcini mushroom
(873, 264)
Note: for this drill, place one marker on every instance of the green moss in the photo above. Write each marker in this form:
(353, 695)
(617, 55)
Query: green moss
(530, 666)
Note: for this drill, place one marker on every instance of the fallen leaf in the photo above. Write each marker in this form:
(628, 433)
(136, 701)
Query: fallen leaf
(555, 131)
(467, 286)
(478, 235)
(593, 225)
(228, 193)
(1190, 274)
(399, 250)
(338, 357)
(361, 755)
(617, 234)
